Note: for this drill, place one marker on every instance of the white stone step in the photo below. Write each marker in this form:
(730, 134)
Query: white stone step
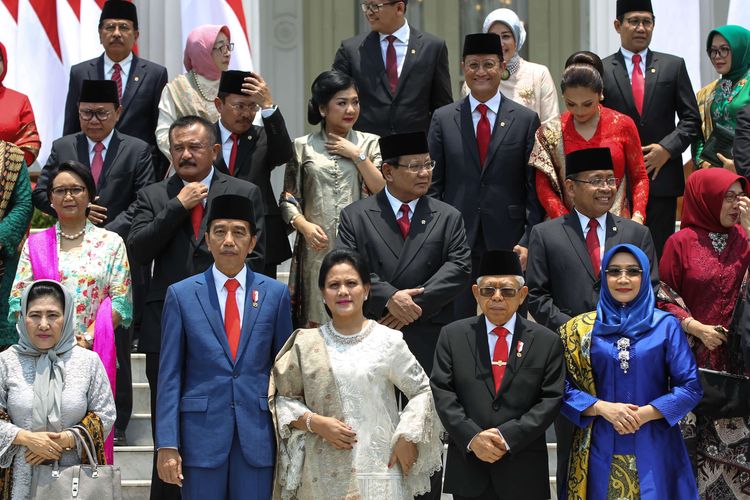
(138, 432)
(136, 489)
(135, 462)
(141, 398)
(138, 367)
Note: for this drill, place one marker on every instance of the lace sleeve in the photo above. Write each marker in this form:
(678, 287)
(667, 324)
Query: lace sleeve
(8, 430)
(419, 422)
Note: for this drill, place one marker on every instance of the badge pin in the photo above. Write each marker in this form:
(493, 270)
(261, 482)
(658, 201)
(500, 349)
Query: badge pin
(137, 78)
(520, 349)
(502, 124)
(653, 70)
(255, 298)
(413, 51)
(614, 229)
(424, 222)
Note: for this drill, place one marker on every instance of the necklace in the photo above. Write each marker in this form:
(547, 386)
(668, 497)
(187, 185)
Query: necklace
(198, 86)
(356, 338)
(71, 236)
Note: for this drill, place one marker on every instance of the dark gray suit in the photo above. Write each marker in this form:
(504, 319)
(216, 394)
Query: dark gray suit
(423, 86)
(562, 285)
(668, 92)
(741, 150)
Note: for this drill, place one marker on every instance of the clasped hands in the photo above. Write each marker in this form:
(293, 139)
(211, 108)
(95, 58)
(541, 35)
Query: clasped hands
(402, 310)
(489, 446)
(43, 446)
(625, 418)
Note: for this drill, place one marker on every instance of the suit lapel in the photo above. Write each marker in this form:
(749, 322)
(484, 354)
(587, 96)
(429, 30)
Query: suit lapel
(652, 63)
(82, 149)
(612, 231)
(503, 122)
(136, 76)
(209, 302)
(521, 337)
(620, 71)
(422, 222)
(96, 71)
(466, 127)
(112, 151)
(372, 56)
(477, 339)
(384, 221)
(220, 164)
(245, 149)
(572, 227)
(174, 186)
(413, 50)
(253, 283)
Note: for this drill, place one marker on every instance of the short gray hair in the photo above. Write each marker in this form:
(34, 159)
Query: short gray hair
(520, 279)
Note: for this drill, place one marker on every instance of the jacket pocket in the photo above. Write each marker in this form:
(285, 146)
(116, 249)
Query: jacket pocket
(194, 404)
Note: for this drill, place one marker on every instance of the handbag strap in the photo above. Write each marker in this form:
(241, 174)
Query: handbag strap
(87, 444)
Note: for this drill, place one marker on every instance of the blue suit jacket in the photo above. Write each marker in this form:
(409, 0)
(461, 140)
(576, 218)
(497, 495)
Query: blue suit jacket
(203, 395)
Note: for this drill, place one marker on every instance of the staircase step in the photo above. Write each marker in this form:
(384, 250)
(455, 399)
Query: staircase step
(135, 462)
(139, 430)
(136, 489)
(138, 367)
(141, 398)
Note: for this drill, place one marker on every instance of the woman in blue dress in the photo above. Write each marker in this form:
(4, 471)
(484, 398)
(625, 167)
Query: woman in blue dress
(631, 378)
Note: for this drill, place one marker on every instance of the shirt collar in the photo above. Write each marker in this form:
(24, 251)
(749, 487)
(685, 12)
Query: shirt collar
(205, 181)
(510, 325)
(401, 34)
(221, 278)
(628, 55)
(124, 64)
(493, 103)
(584, 220)
(396, 203)
(225, 133)
(104, 141)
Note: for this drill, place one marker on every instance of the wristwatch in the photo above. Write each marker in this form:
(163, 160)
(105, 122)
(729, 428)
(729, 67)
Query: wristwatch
(362, 157)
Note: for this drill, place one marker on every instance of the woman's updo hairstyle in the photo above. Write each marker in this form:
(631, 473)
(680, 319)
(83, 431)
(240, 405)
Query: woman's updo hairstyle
(583, 69)
(324, 87)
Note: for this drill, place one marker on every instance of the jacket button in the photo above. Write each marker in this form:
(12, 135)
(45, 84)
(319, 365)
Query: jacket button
(495, 406)
(235, 374)
(232, 405)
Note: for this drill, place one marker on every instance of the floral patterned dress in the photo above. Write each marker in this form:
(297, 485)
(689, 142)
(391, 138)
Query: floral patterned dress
(91, 272)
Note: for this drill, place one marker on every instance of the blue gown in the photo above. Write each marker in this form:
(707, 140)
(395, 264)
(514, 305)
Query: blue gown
(662, 373)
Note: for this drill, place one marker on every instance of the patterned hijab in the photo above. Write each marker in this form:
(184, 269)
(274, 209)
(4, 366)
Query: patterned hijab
(704, 196)
(50, 370)
(739, 41)
(199, 47)
(633, 318)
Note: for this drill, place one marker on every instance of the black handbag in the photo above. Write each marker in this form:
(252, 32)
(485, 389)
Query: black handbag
(720, 141)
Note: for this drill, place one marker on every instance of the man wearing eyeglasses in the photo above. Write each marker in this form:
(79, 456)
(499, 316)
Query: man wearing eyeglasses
(402, 73)
(565, 258)
(498, 384)
(251, 152)
(651, 88)
(139, 82)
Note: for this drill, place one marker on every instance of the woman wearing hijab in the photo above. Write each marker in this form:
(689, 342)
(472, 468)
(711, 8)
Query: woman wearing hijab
(631, 379)
(728, 48)
(17, 123)
(207, 53)
(47, 385)
(525, 82)
(705, 263)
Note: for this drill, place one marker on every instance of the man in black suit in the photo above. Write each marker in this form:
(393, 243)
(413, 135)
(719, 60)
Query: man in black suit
(402, 73)
(481, 147)
(498, 384)
(169, 227)
(140, 81)
(121, 166)
(563, 279)
(741, 149)
(251, 152)
(651, 92)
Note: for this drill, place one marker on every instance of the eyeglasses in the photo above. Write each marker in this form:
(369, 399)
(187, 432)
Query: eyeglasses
(124, 28)
(630, 272)
(226, 48)
(489, 291)
(722, 52)
(416, 167)
(241, 108)
(73, 191)
(733, 197)
(194, 148)
(89, 114)
(634, 22)
(375, 7)
(599, 183)
(485, 65)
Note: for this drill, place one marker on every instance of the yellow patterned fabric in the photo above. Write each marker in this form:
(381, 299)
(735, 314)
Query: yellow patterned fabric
(576, 337)
(11, 161)
(623, 479)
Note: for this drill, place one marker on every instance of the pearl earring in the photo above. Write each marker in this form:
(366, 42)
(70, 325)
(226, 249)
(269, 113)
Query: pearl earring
(51, 205)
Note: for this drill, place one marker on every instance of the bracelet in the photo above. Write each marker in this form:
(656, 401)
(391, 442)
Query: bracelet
(687, 324)
(308, 421)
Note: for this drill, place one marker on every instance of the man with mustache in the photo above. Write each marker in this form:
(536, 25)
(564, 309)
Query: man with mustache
(169, 228)
(251, 152)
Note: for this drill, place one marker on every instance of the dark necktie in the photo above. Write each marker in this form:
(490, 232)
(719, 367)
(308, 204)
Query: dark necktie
(592, 244)
(403, 222)
(232, 316)
(483, 134)
(233, 154)
(499, 356)
(638, 83)
(117, 78)
(97, 164)
(391, 64)
(196, 216)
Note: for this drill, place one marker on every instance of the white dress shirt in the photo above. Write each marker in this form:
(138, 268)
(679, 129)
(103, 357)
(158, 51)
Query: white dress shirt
(219, 280)
(401, 43)
(601, 231)
(105, 142)
(396, 205)
(493, 339)
(109, 68)
(628, 55)
(494, 106)
(206, 182)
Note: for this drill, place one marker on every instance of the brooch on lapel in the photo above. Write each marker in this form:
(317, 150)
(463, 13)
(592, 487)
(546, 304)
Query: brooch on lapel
(502, 124)
(255, 298)
(136, 78)
(520, 349)
(652, 70)
(614, 228)
(424, 222)
(413, 51)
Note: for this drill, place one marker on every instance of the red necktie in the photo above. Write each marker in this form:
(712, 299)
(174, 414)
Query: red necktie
(196, 216)
(499, 356)
(117, 78)
(592, 244)
(403, 222)
(232, 316)
(638, 83)
(391, 65)
(483, 133)
(233, 154)
(97, 163)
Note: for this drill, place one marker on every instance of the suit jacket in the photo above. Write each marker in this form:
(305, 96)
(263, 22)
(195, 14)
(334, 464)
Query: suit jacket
(434, 256)
(668, 91)
(527, 403)
(162, 232)
(423, 86)
(140, 102)
(559, 272)
(127, 169)
(259, 151)
(501, 195)
(204, 395)
(741, 150)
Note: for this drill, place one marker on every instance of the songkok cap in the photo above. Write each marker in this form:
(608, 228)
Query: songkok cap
(99, 91)
(500, 263)
(585, 160)
(232, 80)
(410, 143)
(119, 9)
(482, 43)
(232, 206)
(625, 6)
